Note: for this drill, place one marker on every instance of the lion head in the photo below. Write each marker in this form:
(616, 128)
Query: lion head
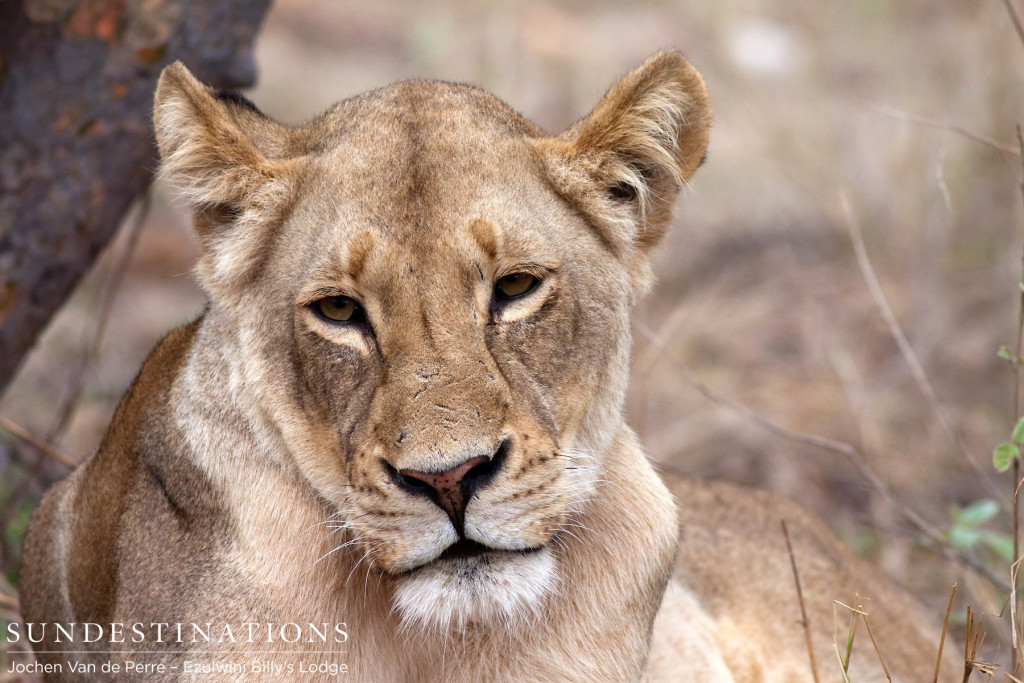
(423, 300)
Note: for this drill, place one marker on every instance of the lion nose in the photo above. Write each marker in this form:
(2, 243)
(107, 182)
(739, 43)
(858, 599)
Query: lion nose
(451, 489)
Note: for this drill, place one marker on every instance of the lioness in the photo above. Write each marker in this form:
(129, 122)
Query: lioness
(394, 442)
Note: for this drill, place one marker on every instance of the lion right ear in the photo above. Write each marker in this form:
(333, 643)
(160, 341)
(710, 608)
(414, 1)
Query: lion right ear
(624, 163)
(224, 157)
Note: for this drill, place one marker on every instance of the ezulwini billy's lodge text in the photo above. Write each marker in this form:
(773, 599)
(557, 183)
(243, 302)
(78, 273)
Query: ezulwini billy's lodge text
(188, 667)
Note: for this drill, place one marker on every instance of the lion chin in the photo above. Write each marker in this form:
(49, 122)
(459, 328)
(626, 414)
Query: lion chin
(495, 588)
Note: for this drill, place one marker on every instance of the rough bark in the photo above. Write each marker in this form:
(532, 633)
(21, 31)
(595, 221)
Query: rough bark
(76, 148)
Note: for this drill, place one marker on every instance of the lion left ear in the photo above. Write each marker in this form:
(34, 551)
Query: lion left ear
(624, 163)
(231, 163)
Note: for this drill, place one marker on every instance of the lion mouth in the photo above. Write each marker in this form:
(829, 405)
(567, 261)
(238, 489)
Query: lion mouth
(474, 583)
(466, 548)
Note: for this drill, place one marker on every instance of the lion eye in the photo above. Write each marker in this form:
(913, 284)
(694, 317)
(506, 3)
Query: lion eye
(339, 309)
(515, 285)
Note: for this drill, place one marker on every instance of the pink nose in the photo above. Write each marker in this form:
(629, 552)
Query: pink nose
(451, 489)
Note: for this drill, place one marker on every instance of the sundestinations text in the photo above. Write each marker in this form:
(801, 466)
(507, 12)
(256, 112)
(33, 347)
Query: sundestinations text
(163, 632)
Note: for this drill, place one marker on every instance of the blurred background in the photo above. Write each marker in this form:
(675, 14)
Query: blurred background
(760, 293)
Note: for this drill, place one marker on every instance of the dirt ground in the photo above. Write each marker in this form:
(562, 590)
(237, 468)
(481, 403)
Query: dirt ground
(818, 106)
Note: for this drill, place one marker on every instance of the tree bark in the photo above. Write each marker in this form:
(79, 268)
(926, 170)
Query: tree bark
(76, 148)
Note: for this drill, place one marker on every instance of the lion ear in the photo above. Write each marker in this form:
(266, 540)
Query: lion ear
(624, 163)
(224, 157)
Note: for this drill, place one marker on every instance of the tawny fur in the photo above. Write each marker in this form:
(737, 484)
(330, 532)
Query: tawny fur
(247, 475)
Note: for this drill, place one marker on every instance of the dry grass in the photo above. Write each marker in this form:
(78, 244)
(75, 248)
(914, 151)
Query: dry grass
(942, 638)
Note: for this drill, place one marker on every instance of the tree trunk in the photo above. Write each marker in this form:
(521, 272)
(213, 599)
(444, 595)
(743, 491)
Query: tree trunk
(76, 148)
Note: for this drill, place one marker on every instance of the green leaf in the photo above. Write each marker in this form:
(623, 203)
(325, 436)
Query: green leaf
(1003, 456)
(1001, 544)
(964, 538)
(1004, 353)
(979, 512)
(1018, 432)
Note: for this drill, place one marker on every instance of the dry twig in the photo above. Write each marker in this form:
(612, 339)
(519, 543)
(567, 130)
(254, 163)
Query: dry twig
(1014, 621)
(37, 443)
(1005, 150)
(840, 447)
(9, 602)
(1015, 18)
(1016, 407)
(874, 644)
(66, 409)
(906, 350)
(804, 621)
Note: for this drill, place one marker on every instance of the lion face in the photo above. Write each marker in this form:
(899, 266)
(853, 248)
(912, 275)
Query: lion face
(432, 321)
(428, 298)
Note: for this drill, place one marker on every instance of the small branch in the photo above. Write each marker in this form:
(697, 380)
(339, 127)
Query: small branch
(874, 644)
(842, 448)
(804, 621)
(942, 638)
(66, 409)
(9, 602)
(39, 444)
(1014, 623)
(906, 350)
(1016, 389)
(950, 128)
(1015, 18)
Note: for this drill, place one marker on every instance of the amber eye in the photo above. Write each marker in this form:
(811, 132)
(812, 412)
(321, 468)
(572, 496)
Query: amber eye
(339, 309)
(515, 285)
